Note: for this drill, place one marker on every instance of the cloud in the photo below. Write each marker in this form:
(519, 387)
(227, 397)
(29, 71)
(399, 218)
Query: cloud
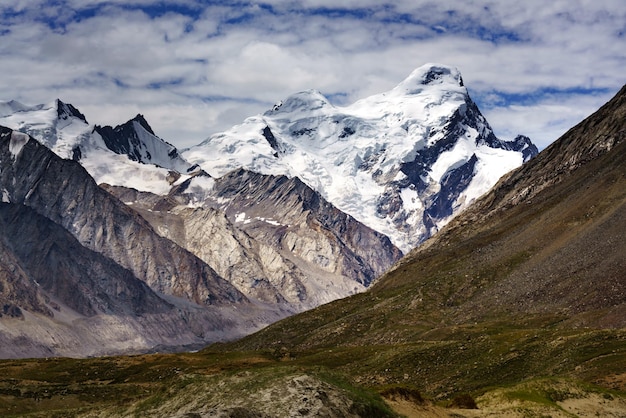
(197, 67)
(543, 118)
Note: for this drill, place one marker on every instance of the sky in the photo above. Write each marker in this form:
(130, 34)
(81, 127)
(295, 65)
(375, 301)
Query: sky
(196, 67)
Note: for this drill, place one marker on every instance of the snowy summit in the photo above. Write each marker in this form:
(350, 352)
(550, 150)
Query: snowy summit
(402, 162)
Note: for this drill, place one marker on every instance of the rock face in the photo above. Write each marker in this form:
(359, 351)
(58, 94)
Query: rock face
(77, 262)
(273, 237)
(81, 279)
(290, 215)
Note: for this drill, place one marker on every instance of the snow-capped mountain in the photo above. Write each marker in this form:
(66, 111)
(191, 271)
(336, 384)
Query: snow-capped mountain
(137, 140)
(299, 206)
(403, 162)
(126, 155)
(59, 126)
(291, 260)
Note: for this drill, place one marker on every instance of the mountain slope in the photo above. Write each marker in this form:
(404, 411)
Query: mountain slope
(205, 306)
(336, 242)
(274, 238)
(60, 298)
(57, 263)
(535, 279)
(401, 162)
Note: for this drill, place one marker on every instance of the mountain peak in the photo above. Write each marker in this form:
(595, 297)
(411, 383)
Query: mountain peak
(137, 140)
(10, 107)
(143, 122)
(430, 75)
(66, 111)
(304, 101)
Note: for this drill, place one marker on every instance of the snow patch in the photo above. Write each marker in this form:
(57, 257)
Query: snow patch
(17, 142)
(5, 196)
(243, 218)
(410, 199)
(240, 217)
(269, 221)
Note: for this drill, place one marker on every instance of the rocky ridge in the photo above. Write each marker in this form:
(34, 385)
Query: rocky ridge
(276, 239)
(77, 255)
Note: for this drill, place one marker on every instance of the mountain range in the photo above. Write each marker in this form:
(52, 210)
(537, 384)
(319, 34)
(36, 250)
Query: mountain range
(294, 208)
(514, 308)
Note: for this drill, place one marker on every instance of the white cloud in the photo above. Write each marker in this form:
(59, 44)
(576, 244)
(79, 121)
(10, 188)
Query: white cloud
(544, 121)
(196, 69)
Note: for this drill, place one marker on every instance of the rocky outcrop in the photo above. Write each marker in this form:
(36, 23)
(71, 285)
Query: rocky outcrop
(254, 268)
(287, 214)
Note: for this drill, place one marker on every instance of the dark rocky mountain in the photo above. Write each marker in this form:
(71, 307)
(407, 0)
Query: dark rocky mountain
(137, 140)
(66, 111)
(59, 298)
